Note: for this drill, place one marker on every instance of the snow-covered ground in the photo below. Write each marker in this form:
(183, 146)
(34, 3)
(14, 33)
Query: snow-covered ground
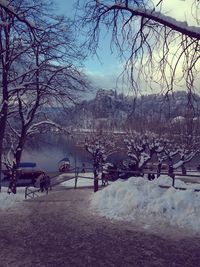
(82, 182)
(136, 198)
(9, 200)
(145, 200)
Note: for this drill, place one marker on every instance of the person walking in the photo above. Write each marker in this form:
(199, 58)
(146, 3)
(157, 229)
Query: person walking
(42, 181)
(47, 183)
(83, 168)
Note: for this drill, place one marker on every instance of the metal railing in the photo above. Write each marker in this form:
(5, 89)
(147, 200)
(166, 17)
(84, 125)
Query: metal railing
(175, 175)
(77, 173)
(31, 193)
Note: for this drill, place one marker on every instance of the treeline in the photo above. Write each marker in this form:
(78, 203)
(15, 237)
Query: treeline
(114, 111)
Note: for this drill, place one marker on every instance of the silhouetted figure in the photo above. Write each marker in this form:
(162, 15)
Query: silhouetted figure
(47, 183)
(104, 178)
(42, 182)
(151, 176)
(83, 168)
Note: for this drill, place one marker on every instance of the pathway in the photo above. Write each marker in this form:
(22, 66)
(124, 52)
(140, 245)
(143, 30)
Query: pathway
(59, 229)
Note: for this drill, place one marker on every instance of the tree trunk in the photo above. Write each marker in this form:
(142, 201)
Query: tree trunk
(159, 169)
(183, 169)
(96, 185)
(20, 147)
(171, 172)
(0, 166)
(3, 118)
(18, 154)
(5, 60)
(2, 131)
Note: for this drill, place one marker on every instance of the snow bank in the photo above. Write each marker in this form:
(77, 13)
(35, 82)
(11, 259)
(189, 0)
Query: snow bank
(139, 198)
(9, 200)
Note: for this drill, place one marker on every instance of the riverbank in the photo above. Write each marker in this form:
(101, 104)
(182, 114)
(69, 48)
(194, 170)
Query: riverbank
(60, 229)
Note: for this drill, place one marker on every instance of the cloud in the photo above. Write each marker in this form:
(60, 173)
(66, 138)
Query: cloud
(179, 9)
(102, 80)
(114, 81)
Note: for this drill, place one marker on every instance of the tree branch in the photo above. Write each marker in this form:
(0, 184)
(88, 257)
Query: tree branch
(181, 27)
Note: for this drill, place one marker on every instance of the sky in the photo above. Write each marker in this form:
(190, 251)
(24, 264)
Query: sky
(105, 69)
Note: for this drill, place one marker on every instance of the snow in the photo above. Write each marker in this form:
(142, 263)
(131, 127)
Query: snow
(182, 25)
(178, 164)
(135, 199)
(10, 200)
(35, 126)
(82, 182)
(157, 16)
(7, 6)
(144, 158)
(178, 119)
(139, 198)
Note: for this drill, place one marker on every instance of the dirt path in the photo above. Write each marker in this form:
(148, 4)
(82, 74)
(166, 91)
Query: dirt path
(60, 230)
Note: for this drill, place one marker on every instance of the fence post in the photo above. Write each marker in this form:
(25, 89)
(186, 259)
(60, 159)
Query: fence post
(173, 179)
(96, 185)
(76, 177)
(171, 174)
(25, 192)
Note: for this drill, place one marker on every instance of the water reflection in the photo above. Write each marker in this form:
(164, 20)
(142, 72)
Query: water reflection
(46, 151)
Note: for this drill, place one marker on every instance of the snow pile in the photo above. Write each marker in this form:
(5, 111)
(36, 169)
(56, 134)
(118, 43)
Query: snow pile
(139, 198)
(9, 200)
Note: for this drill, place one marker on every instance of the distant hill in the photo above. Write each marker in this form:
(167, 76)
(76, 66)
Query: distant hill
(115, 110)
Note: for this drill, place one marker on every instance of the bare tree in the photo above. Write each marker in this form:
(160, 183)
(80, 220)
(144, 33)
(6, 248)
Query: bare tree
(100, 146)
(140, 149)
(156, 48)
(176, 154)
(39, 66)
(13, 43)
(157, 51)
(186, 156)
